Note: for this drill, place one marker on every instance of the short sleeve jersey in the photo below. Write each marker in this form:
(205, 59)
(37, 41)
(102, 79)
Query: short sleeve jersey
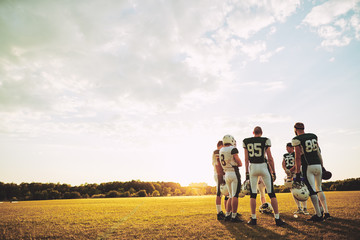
(256, 147)
(309, 148)
(289, 159)
(216, 163)
(227, 159)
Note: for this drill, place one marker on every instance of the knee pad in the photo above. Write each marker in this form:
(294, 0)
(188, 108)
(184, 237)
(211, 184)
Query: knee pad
(253, 195)
(226, 198)
(272, 195)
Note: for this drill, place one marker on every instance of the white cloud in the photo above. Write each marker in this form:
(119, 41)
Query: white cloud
(355, 23)
(252, 16)
(253, 50)
(328, 11)
(269, 118)
(265, 57)
(335, 22)
(90, 68)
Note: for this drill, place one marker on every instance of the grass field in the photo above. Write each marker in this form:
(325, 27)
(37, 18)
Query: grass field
(170, 218)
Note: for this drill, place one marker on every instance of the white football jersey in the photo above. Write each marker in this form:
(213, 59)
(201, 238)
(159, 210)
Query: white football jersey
(226, 158)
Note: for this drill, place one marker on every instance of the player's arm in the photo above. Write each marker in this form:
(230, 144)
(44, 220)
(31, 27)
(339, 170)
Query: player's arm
(271, 163)
(237, 160)
(283, 164)
(246, 161)
(319, 154)
(270, 160)
(297, 158)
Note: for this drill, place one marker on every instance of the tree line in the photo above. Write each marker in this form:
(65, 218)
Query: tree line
(134, 188)
(351, 184)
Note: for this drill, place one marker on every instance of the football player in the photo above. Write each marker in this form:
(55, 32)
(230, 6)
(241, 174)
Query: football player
(230, 162)
(288, 165)
(256, 166)
(308, 156)
(219, 179)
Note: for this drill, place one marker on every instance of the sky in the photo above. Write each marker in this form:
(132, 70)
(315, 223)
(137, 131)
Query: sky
(101, 91)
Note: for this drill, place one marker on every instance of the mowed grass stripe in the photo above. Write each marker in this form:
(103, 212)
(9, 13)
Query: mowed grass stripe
(171, 218)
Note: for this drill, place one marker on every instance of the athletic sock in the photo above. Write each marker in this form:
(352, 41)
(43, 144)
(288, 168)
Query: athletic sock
(277, 216)
(233, 215)
(218, 208)
(253, 216)
(322, 199)
(227, 214)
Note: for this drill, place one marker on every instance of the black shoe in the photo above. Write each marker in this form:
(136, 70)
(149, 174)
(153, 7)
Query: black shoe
(236, 218)
(327, 216)
(227, 218)
(252, 221)
(220, 216)
(279, 222)
(315, 218)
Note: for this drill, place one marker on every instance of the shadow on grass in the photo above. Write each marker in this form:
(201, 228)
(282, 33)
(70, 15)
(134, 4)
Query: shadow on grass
(337, 228)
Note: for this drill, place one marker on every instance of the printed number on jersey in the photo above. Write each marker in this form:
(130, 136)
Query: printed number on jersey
(289, 161)
(254, 149)
(311, 145)
(223, 160)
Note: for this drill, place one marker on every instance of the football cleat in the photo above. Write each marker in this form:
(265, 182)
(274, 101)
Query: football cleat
(305, 212)
(236, 218)
(252, 221)
(315, 218)
(327, 216)
(220, 216)
(298, 211)
(279, 222)
(227, 218)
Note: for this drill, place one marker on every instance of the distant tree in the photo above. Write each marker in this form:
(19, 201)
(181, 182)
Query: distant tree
(98, 195)
(132, 191)
(141, 193)
(54, 194)
(125, 194)
(156, 193)
(177, 192)
(166, 191)
(75, 195)
(113, 194)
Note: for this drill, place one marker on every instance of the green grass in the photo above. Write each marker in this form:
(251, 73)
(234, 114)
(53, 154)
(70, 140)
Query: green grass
(170, 218)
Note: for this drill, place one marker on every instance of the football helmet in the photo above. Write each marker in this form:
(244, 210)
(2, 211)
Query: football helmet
(266, 208)
(300, 191)
(245, 189)
(224, 189)
(326, 175)
(229, 139)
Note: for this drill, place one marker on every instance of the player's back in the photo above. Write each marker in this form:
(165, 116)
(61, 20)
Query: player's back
(256, 147)
(226, 158)
(308, 143)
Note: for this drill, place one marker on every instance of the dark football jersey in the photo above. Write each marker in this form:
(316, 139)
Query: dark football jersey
(289, 159)
(256, 147)
(309, 148)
